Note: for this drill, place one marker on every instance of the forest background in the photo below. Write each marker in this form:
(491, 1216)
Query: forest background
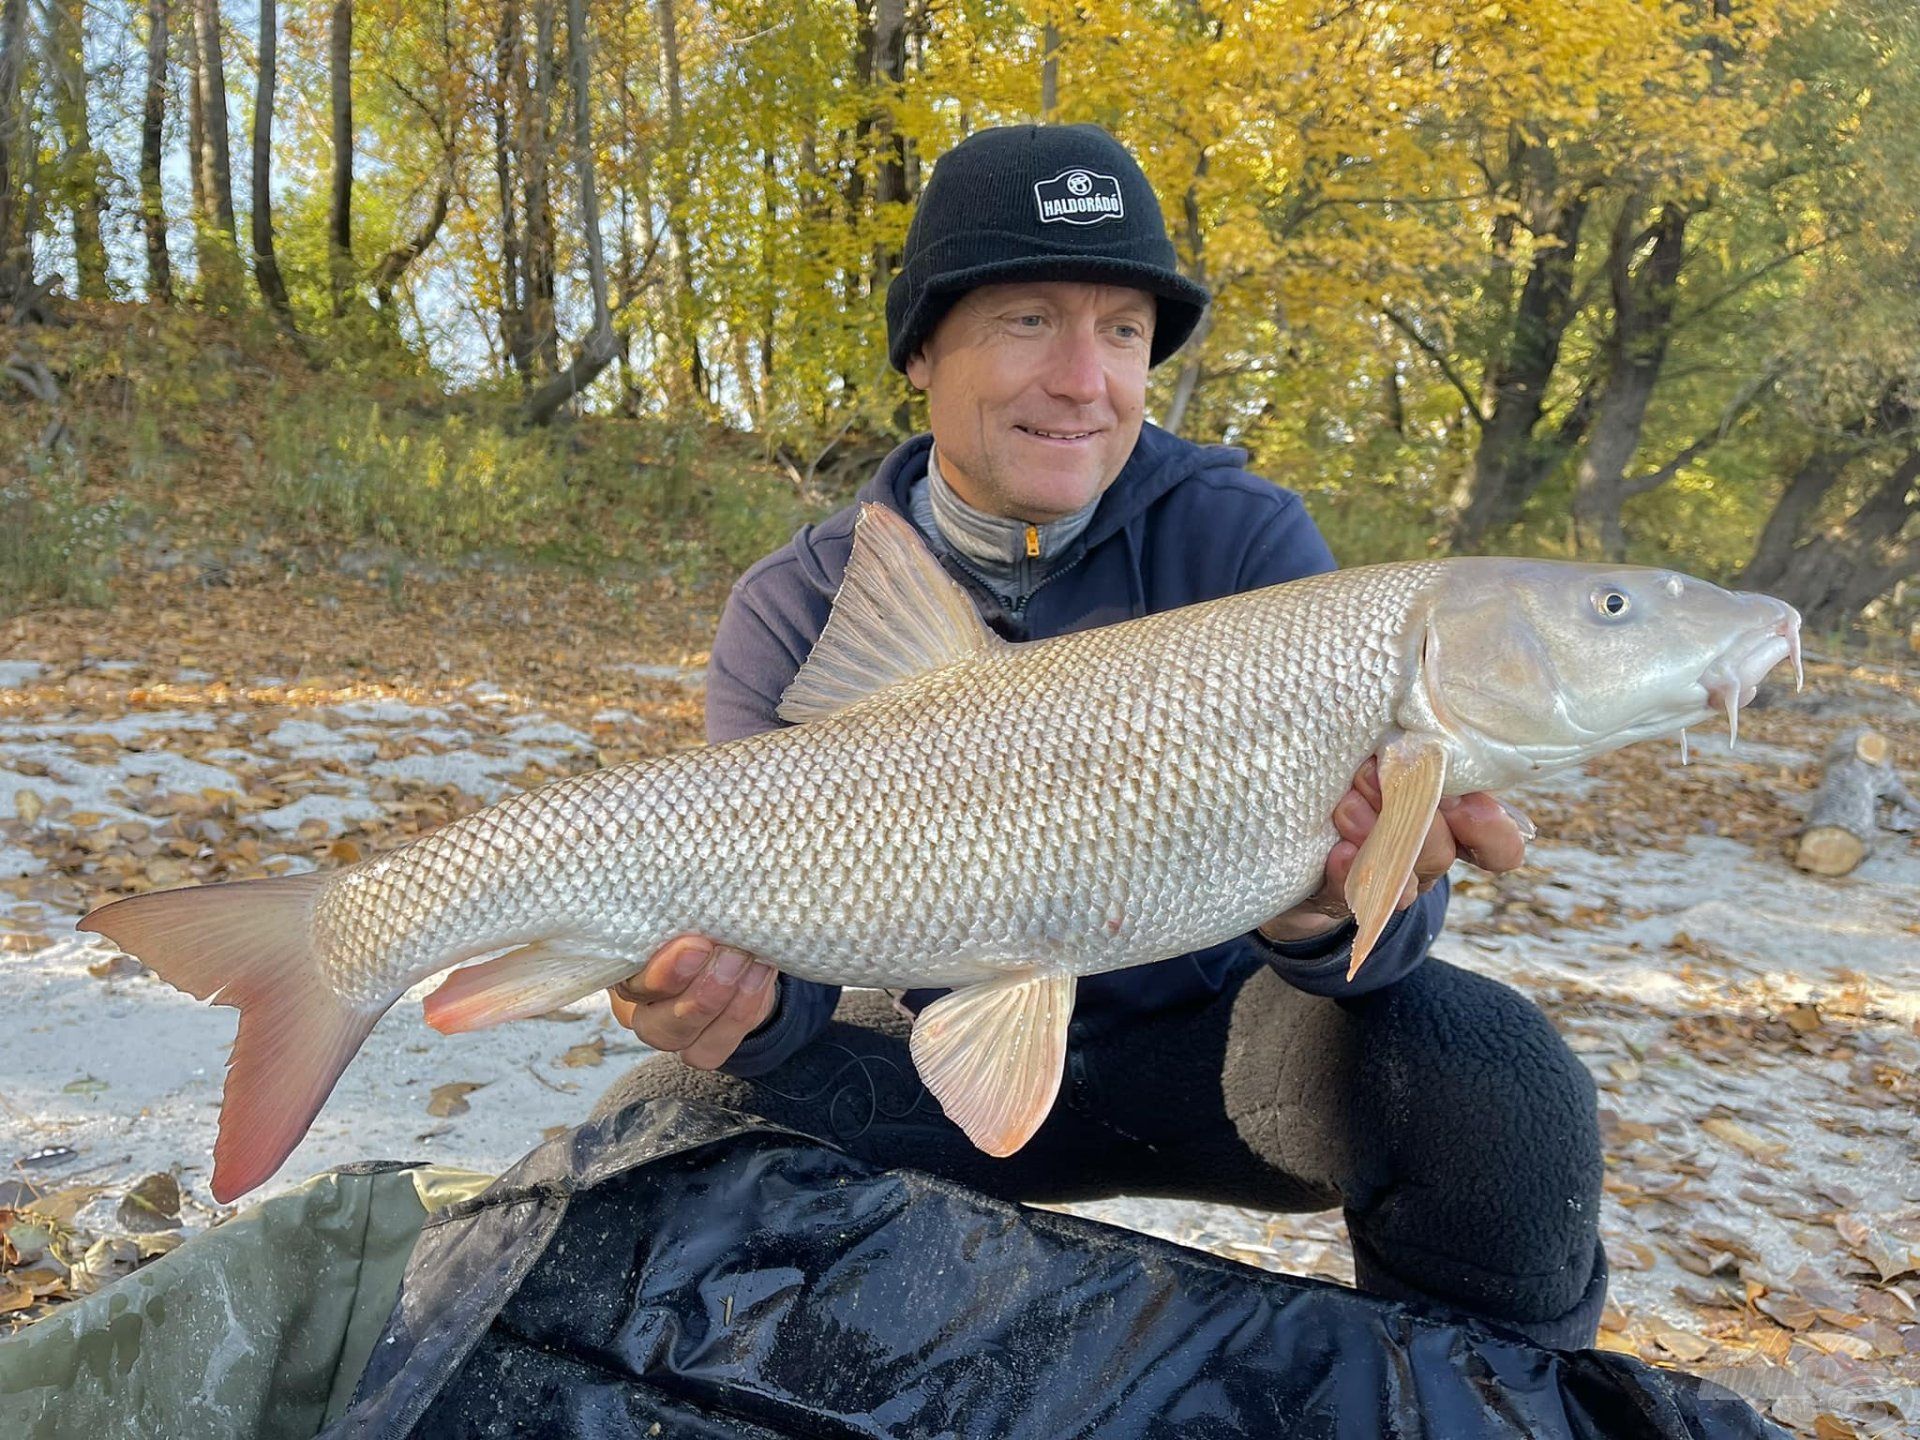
(601, 287)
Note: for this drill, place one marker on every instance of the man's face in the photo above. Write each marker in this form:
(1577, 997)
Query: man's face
(1035, 393)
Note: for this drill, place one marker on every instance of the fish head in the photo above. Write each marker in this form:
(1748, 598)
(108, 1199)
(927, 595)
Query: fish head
(1537, 664)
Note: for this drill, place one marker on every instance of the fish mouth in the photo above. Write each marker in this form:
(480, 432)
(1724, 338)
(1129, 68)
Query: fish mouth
(1727, 684)
(1732, 680)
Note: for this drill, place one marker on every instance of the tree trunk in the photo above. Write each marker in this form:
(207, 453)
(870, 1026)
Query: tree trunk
(854, 192)
(1189, 381)
(1049, 71)
(393, 265)
(603, 344)
(16, 149)
(196, 130)
(340, 203)
(216, 166)
(266, 269)
(1510, 461)
(890, 69)
(769, 267)
(79, 166)
(1874, 534)
(1832, 576)
(1797, 504)
(220, 248)
(536, 152)
(681, 256)
(153, 115)
(511, 83)
(1637, 346)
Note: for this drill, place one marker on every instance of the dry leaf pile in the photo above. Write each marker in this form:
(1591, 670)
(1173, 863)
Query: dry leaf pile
(47, 1257)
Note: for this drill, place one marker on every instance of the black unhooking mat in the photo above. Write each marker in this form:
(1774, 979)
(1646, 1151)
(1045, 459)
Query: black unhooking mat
(679, 1271)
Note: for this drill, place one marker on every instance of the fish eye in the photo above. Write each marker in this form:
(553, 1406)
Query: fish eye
(1612, 603)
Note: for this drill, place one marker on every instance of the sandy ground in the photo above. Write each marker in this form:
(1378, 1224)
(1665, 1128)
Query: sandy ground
(1753, 1029)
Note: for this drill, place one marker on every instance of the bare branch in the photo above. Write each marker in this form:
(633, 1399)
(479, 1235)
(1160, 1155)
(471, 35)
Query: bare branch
(1407, 327)
(1753, 276)
(1731, 416)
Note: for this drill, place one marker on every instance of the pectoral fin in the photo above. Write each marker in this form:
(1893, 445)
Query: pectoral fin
(993, 1055)
(1412, 772)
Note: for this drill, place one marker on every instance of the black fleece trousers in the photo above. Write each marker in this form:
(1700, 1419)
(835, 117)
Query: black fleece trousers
(1442, 1113)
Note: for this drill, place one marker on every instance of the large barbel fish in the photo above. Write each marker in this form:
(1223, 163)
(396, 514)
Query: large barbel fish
(955, 810)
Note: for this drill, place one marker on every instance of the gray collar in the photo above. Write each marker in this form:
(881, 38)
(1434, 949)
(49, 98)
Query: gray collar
(997, 546)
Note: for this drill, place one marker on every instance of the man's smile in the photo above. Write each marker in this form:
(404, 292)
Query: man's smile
(1056, 436)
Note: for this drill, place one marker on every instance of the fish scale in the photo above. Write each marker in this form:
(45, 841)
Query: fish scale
(986, 817)
(956, 811)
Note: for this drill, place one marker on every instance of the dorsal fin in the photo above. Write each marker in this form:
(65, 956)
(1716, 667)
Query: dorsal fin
(897, 615)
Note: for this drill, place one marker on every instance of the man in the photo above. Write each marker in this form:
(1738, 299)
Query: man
(1437, 1107)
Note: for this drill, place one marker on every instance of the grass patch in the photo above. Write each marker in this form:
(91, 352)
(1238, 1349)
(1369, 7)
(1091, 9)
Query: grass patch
(55, 548)
(439, 487)
(448, 484)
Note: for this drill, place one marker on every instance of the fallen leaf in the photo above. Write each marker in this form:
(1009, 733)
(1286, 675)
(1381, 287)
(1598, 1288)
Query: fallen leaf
(52, 1278)
(106, 1261)
(165, 870)
(28, 805)
(1689, 1348)
(1833, 1342)
(1804, 1019)
(14, 1297)
(1789, 1310)
(451, 1098)
(63, 1205)
(1736, 1134)
(1632, 1255)
(163, 1242)
(153, 1204)
(592, 1052)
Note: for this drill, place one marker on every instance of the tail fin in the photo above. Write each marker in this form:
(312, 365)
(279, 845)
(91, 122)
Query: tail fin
(249, 944)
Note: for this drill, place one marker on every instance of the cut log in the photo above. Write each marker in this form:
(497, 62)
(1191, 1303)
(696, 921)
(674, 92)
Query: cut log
(1829, 850)
(1844, 816)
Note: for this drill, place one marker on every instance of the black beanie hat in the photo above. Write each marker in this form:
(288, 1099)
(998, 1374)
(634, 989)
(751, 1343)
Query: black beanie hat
(1036, 202)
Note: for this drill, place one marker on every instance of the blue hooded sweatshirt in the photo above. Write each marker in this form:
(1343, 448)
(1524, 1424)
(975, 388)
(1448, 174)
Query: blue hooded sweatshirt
(1181, 523)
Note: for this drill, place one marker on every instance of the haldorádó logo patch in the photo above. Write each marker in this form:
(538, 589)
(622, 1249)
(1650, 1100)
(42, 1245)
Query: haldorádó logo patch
(1079, 197)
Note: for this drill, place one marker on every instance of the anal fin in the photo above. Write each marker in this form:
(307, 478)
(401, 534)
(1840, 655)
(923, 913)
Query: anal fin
(1412, 774)
(993, 1054)
(529, 980)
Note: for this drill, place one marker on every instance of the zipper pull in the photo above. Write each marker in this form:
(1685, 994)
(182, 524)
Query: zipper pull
(1033, 542)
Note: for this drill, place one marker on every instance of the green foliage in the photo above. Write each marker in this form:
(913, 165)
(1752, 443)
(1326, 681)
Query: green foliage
(452, 485)
(54, 546)
(442, 488)
(1368, 190)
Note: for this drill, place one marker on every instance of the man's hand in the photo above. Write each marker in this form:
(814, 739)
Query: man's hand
(696, 999)
(1476, 828)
